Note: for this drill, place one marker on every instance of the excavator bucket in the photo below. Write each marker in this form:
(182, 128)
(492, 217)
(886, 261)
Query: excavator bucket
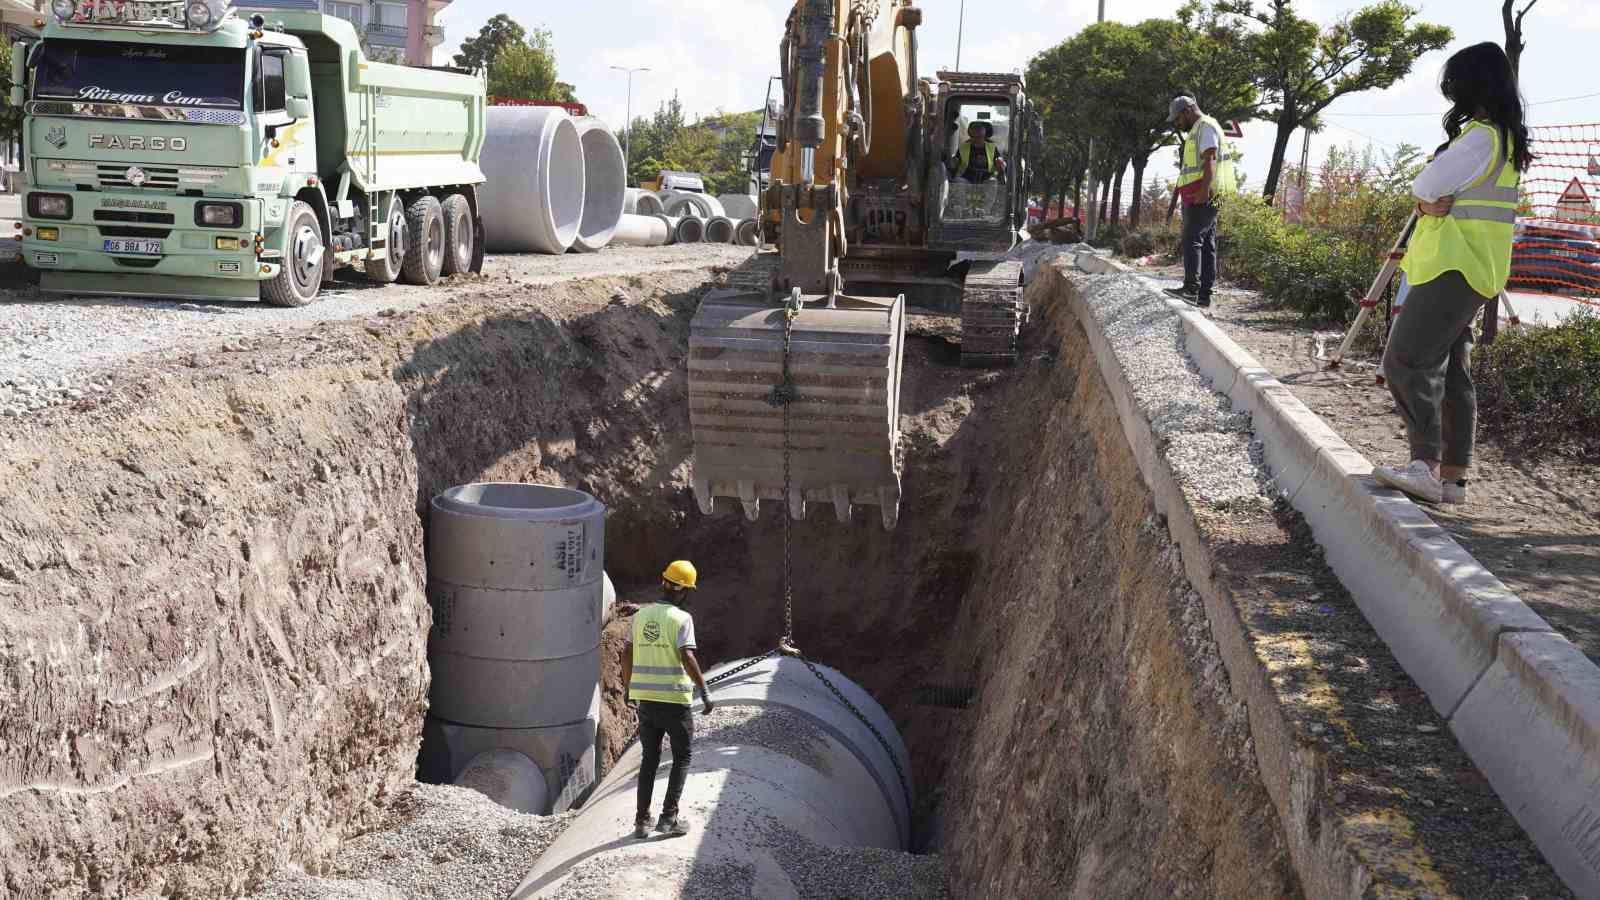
(844, 407)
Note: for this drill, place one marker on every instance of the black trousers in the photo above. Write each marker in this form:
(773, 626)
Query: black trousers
(1200, 249)
(677, 724)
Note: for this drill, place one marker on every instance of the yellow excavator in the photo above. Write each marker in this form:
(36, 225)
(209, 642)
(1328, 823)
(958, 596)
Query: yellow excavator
(794, 367)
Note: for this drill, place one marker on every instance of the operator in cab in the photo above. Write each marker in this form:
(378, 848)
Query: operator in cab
(660, 670)
(979, 158)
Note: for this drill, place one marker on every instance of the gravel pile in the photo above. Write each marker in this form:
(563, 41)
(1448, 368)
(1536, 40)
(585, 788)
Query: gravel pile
(446, 843)
(773, 727)
(702, 879)
(858, 873)
(1206, 442)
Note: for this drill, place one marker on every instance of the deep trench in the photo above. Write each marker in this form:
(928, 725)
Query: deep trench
(1024, 625)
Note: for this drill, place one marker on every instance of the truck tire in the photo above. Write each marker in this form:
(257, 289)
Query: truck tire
(460, 237)
(304, 257)
(387, 270)
(424, 242)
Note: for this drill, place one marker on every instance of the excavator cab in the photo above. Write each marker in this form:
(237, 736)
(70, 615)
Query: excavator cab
(980, 204)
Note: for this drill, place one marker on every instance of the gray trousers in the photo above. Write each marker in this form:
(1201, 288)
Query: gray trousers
(1428, 364)
(1199, 240)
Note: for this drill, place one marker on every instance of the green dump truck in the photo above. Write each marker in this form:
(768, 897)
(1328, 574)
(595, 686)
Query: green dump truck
(189, 150)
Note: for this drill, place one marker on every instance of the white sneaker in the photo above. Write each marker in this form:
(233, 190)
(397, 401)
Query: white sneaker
(1454, 492)
(1415, 479)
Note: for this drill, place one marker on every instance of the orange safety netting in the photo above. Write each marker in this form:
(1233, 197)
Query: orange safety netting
(1557, 245)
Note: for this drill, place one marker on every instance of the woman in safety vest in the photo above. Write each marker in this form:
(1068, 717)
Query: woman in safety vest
(1458, 260)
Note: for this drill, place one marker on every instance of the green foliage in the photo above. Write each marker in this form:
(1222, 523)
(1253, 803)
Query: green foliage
(1540, 388)
(1302, 67)
(498, 33)
(527, 69)
(10, 116)
(715, 148)
(1310, 271)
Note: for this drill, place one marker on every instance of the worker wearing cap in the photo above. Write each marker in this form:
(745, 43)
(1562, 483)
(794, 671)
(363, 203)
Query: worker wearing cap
(1207, 173)
(660, 670)
(979, 158)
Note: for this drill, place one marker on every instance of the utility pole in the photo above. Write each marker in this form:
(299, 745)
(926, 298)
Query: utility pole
(961, 26)
(1094, 212)
(627, 137)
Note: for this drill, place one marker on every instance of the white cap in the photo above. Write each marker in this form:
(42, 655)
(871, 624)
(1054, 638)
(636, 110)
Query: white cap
(1179, 104)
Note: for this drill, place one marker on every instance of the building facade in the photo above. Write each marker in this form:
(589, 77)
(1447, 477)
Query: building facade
(394, 30)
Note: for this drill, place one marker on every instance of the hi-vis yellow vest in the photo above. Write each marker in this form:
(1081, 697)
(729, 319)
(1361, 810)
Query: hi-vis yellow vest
(964, 157)
(658, 672)
(1194, 169)
(1475, 238)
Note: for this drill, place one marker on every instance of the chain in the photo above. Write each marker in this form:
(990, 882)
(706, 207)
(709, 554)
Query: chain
(783, 394)
(905, 786)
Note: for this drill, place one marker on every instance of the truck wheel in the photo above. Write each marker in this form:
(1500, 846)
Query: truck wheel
(298, 281)
(424, 242)
(387, 270)
(459, 235)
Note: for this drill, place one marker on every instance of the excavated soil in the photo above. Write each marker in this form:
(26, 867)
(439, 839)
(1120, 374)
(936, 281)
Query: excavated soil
(213, 622)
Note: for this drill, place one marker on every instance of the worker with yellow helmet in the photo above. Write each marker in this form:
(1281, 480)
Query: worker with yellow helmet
(660, 669)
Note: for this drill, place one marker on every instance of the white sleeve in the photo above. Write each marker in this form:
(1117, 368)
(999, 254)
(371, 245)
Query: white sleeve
(686, 634)
(1206, 139)
(1456, 167)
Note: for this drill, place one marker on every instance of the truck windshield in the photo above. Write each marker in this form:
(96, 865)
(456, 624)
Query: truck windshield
(140, 74)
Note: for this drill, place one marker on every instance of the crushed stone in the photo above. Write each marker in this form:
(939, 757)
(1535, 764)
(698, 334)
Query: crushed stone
(445, 843)
(858, 873)
(1207, 443)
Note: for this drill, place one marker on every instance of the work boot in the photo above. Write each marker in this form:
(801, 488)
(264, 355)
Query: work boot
(641, 826)
(1186, 294)
(672, 826)
(1416, 480)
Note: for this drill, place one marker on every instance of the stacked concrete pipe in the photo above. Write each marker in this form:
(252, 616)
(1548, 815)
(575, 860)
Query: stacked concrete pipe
(689, 230)
(719, 230)
(533, 159)
(747, 233)
(641, 202)
(605, 180)
(519, 595)
(738, 206)
(781, 761)
(688, 203)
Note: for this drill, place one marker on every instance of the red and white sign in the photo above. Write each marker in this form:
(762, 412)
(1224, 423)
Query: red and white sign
(1233, 129)
(1575, 199)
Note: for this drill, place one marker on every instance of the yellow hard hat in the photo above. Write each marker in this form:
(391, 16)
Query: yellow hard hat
(681, 573)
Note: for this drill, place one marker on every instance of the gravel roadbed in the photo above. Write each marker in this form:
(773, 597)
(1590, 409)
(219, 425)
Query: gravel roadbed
(59, 349)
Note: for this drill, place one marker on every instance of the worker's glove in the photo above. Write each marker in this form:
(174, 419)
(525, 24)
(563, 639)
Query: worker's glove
(706, 706)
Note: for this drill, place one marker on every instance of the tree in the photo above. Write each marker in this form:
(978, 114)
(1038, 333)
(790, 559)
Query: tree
(1513, 25)
(1301, 67)
(10, 116)
(528, 69)
(498, 33)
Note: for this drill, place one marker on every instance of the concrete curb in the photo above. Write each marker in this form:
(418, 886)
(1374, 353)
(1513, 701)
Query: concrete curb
(1522, 700)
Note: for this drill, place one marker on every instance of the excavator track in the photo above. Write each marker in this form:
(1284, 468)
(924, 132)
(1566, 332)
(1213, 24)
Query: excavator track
(843, 419)
(992, 314)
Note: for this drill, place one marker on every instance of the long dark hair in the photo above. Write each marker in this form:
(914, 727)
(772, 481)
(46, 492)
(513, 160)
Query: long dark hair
(1479, 82)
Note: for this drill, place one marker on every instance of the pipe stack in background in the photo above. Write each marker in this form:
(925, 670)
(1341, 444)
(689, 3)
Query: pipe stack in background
(558, 183)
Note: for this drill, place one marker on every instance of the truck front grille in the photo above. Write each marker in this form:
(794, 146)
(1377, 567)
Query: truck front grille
(128, 231)
(158, 178)
(148, 218)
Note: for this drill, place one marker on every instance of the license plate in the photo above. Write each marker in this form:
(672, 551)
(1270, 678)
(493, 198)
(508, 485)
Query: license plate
(140, 246)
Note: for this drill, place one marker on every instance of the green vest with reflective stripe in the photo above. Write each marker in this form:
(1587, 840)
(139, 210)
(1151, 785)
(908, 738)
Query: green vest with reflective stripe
(964, 157)
(1194, 167)
(658, 672)
(1475, 238)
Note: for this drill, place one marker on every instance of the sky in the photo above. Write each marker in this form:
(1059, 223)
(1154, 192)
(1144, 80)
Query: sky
(718, 54)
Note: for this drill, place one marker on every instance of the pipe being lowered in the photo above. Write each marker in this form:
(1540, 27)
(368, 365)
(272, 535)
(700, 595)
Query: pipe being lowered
(533, 158)
(518, 593)
(778, 762)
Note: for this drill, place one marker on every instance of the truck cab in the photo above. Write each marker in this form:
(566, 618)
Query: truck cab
(185, 151)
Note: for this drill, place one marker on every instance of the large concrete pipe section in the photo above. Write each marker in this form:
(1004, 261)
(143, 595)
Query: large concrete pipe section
(738, 206)
(779, 761)
(672, 225)
(747, 233)
(533, 158)
(690, 230)
(516, 581)
(641, 231)
(605, 184)
(650, 205)
(719, 230)
(688, 203)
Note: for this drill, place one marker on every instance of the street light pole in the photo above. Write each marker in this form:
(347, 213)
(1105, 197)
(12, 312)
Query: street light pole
(961, 26)
(1094, 212)
(627, 137)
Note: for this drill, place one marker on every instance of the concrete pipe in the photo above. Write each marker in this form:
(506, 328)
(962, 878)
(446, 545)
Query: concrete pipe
(747, 233)
(509, 778)
(672, 225)
(690, 230)
(641, 231)
(780, 761)
(719, 230)
(605, 184)
(516, 581)
(650, 205)
(533, 159)
(738, 206)
(630, 200)
(688, 203)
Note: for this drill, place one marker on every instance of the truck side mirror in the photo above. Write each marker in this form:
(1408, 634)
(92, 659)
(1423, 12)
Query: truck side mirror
(297, 85)
(19, 71)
